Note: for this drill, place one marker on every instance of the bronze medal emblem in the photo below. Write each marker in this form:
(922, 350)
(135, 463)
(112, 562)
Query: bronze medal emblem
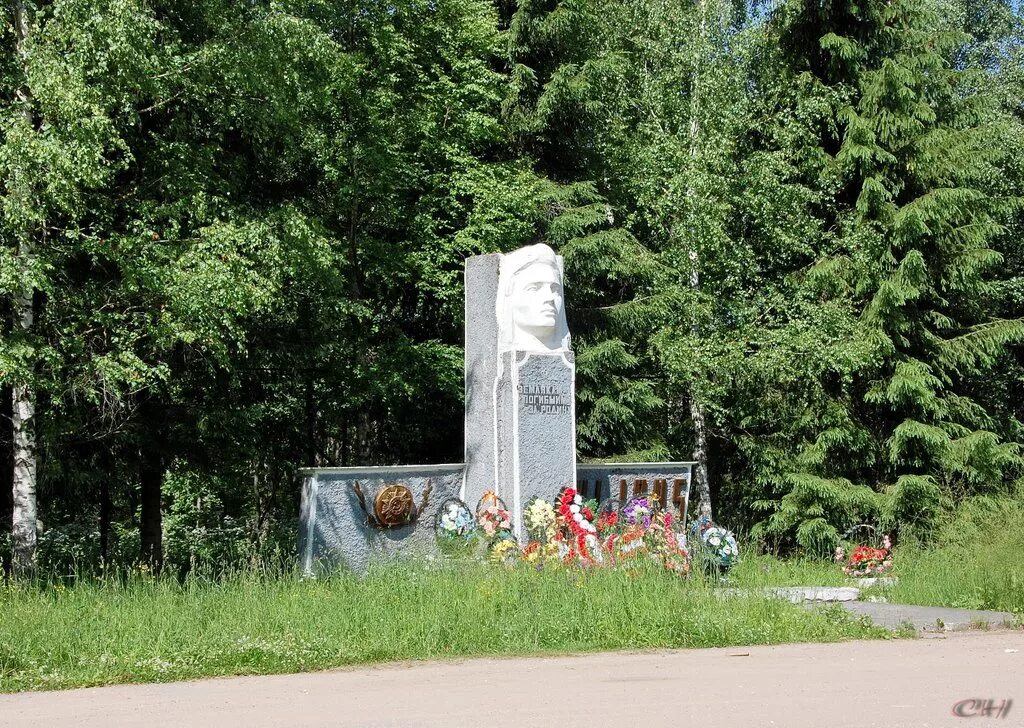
(393, 506)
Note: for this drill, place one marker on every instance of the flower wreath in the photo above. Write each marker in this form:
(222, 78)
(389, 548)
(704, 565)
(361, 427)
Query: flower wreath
(454, 520)
(578, 518)
(539, 519)
(667, 544)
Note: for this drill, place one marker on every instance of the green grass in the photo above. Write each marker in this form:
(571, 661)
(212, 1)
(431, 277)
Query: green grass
(759, 570)
(978, 562)
(147, 630)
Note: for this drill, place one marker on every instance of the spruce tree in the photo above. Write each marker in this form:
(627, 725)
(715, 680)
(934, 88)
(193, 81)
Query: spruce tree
(915, 218)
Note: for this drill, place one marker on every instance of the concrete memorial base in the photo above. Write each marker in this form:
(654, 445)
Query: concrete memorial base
(337, 530)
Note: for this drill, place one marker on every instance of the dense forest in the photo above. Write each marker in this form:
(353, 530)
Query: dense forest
(232, 238)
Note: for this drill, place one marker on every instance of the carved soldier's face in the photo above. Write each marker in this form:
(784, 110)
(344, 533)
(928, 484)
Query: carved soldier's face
(537, 299)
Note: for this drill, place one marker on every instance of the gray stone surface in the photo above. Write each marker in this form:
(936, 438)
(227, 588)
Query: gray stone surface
(928, 619)
(798, 594)
(530, 307)
(481, 329)
(879, 581)
(608, 479)
(334, 531)
(536, 428)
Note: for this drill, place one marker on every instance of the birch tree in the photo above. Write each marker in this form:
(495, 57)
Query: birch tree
(25, 226)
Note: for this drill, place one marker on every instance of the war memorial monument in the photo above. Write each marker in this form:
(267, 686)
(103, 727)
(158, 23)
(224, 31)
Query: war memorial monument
(520, 430)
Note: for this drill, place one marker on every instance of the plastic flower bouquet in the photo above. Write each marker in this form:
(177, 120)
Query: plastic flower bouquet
(506, 552)
(638, 512)
(720, 547)
(455, 527)
(607, 523)
(542, 555)
(495, 522)
(454, 520)
(700, 524)
(492, 518)
(665, 545)
(539, 519)
(575, 526)
(627, 545)
(866, 561)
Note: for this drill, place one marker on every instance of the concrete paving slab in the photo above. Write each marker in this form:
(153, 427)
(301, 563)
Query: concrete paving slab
(798, 594)
(929, 619)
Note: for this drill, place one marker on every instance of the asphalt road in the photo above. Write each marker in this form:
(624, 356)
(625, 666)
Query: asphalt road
(858, 684)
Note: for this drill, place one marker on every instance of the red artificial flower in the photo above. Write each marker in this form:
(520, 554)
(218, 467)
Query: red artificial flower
(607, 521)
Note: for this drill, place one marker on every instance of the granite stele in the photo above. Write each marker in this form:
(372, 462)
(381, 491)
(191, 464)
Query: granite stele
(520, 431)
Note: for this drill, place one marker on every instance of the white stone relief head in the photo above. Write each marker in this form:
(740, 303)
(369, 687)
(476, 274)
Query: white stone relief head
(531, 302)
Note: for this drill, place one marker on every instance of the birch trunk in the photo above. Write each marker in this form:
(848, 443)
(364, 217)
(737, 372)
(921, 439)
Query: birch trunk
(697, 416)
(23, 411)
(106, 522)
(23, 522)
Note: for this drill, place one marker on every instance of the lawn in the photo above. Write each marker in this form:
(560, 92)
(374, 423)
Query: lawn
(141, 629)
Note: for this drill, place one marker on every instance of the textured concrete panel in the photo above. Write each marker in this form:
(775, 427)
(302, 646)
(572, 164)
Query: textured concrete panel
(604, 480)
(481, 331)
(543, 431)
(334, 531)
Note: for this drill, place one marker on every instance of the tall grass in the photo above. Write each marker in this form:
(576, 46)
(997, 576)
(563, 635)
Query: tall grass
(977, 561)
(761, 570)
(141, 629)
(146, 629)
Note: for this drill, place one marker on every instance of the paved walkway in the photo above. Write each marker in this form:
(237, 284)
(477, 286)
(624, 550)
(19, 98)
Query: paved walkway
(929, 619)
(884, 614)
(890, 684)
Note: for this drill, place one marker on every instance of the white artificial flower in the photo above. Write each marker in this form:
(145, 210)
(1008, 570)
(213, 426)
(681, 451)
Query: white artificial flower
(577, 500)
(574, 508)
(577, 517)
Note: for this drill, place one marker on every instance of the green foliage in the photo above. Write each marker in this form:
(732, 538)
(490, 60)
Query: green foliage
(916, 212)
(812, 507)
(244, 227)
